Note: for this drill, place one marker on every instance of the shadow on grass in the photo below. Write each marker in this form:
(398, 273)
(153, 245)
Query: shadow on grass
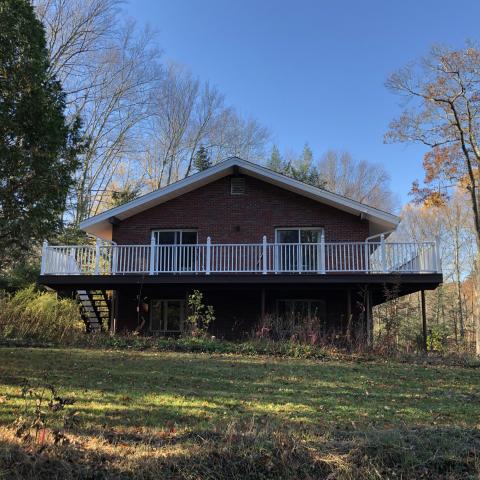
(198, 391)
(248, 452)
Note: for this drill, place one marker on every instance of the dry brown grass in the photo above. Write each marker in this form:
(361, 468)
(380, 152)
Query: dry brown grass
(152, 415)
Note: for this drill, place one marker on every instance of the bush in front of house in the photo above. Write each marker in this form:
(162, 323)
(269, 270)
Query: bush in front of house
(35, 316)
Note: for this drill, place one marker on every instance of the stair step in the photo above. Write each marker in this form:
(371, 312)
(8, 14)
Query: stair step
(94, 309)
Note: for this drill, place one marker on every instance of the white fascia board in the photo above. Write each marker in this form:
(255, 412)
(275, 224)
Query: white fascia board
(100, 225)
(92, 224)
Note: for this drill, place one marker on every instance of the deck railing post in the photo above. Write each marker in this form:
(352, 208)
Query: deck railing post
(322, 254)
(366, 258)
(113, 258)
(383, 253)
(264, 254)
(209, 256)
(436, 256)
(97, 255)
(44, 257)
(299, 258)
(152, 255)
(72, 263)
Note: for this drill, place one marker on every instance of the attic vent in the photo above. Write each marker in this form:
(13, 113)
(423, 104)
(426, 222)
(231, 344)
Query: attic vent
(237, 186)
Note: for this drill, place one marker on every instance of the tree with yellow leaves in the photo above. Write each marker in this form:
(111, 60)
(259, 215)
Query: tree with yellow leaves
(442, 93)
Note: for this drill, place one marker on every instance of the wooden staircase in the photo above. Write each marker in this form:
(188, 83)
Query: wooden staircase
(94, 309)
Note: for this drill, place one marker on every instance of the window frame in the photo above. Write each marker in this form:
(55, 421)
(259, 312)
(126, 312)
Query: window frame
(299, 230)
(175, 230)
(164, 318)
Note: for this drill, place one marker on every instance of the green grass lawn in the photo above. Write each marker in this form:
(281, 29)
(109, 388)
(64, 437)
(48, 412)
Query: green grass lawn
(194, 406)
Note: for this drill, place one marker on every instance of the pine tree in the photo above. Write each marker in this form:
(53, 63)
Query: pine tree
(37, 149)
(202, 159)
(304, 169)
(275, 162)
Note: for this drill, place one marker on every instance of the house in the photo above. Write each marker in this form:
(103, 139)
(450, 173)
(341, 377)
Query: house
(255, 242)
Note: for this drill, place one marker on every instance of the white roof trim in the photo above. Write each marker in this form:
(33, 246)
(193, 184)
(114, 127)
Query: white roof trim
(100, 225)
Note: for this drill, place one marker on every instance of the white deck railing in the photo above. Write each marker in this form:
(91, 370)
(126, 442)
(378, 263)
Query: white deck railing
(262, 258)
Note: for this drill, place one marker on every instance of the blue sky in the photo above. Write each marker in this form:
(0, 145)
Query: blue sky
(312, 70)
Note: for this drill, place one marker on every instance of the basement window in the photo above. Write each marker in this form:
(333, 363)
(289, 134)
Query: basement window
(166, 316)
(237, 186)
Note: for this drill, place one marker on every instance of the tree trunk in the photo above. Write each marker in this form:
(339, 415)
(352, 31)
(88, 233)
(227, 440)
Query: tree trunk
(476, 302)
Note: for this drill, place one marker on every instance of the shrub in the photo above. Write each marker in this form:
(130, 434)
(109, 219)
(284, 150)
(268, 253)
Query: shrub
(437, 338)
(40, 316)
(305, 330)
(199, 316)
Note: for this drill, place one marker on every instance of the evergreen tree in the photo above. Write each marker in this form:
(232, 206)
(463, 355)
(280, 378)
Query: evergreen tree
(275, 162)
(37, 149)
(202, 159)
(304, 169)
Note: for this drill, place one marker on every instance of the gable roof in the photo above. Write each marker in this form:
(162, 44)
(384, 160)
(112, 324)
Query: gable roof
(101, 225)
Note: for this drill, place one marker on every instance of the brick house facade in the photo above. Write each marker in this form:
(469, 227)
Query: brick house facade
(257, 244)
(226, 218)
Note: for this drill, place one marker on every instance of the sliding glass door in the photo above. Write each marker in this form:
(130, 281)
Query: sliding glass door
(176, 250)
(166, 316)
(298, 249)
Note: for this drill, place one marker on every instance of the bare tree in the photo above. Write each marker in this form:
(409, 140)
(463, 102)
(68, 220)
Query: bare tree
(452, 223)
(75, 29)
(360, 180)
(109, 70)
(443, 113)
(188, 115)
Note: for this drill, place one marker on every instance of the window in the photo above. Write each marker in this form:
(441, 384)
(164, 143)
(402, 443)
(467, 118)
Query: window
(298, 248)
(237, 186)
(177, 252)
(166, 316)
(298, 235)
(175, 237)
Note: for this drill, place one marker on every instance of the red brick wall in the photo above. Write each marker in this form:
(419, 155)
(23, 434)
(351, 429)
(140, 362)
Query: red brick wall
(240, 219)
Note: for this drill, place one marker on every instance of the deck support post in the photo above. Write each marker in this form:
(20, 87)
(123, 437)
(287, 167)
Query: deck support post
(424, 322)
(208, 256)
(262, 305)
(369, 317)
(349, 304)
(264, 255)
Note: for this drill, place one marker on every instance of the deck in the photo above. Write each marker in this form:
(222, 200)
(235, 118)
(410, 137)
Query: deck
(210, 259)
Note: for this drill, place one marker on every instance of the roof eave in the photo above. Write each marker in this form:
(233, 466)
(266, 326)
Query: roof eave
(99, 225)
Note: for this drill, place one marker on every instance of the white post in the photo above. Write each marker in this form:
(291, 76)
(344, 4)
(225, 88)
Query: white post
(322, 253)
(44, 257)
(367, 258)
(264, 253)
(113, 256)
(152, 255)
(72, 263)
(383, 253)
(299, 258)
(209, 255)
(97, 255)
(423, 261)
(437, 257)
